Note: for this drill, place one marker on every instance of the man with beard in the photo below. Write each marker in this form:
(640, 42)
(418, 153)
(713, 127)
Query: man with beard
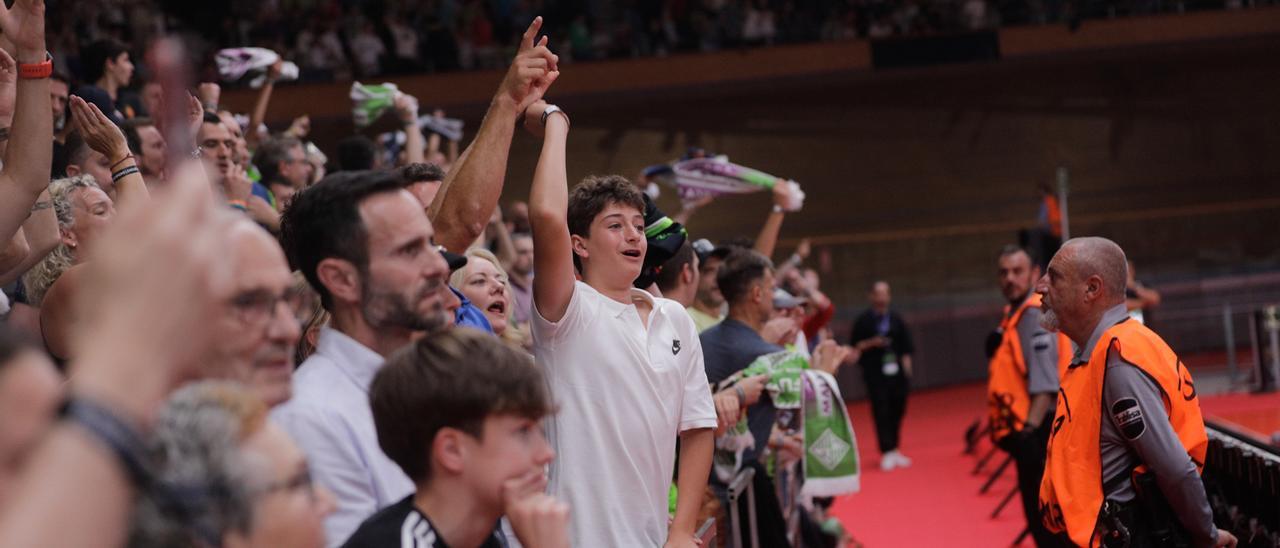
(1025, 361)
(707, 309)
(1128, 439)
(366, 246)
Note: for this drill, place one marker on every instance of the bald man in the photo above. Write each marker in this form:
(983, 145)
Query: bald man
(1127, 440)
(257, 330)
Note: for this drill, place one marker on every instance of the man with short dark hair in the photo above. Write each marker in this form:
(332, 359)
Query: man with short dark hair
(424, 181)
(520, 276)
(746, 280)
(106, 64)
(886, 346)
(283, 165)
(148, 147)
(365, 245)
(460, 413)
(678, 277)
(708, 303)
(1023, 381)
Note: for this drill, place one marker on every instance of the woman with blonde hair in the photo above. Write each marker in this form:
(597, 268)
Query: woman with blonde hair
(484, 282)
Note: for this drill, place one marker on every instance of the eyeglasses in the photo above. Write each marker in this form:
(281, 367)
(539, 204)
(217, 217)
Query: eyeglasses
(257, 307)
(298, 482)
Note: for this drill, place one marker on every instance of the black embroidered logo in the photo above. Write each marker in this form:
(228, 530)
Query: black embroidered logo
(675, 346)
(1128, 417)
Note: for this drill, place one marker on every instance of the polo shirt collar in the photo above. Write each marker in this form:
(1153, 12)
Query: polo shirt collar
(357, 361)
(1110, 318)
(617, 309)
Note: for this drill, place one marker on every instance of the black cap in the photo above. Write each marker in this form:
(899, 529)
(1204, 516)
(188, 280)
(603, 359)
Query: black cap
(455, 260)
(664, 236)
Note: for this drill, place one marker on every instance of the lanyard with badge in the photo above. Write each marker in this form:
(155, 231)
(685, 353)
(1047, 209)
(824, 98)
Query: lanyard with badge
(889, 363)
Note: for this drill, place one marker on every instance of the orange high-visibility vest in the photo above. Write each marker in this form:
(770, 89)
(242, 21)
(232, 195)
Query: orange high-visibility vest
(1071, 491)
(1054, 214)
(1007, 398)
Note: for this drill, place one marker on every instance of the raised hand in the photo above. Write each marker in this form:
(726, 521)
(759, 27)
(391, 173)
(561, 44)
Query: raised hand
(23, 24)
(406, 108)
(210, 94)
(532, 71)
(804, 249)
(195, 116)
(300, 127)
(103, 136)
(829, 356)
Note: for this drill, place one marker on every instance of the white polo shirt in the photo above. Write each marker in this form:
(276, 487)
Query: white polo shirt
(624, 394)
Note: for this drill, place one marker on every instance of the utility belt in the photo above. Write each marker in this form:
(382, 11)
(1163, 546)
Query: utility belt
(1146, 521)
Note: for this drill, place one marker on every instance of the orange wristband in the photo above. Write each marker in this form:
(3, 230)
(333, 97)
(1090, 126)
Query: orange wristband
(37, 71)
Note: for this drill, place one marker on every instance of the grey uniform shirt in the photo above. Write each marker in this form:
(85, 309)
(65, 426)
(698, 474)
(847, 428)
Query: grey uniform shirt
(1039, 352)
(1136, 430)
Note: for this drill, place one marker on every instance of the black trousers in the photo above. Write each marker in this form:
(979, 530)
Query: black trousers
(1029, 453)
(888, 396)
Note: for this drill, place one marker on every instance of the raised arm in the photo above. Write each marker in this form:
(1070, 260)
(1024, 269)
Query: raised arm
(407, 109)
(471, 189)
(105, 138)
(548, 215)
(41, 235)
(260, 107)
(28, 158)
(767, 240)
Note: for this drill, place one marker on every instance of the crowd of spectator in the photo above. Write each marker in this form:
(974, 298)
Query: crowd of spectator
(341, 40)
(168, 264)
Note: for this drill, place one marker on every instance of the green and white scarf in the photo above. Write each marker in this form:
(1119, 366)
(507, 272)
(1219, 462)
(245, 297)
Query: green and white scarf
(370, 102)
(831, 465)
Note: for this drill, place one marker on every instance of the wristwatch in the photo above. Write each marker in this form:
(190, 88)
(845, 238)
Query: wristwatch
(37, 71)
(551, 109)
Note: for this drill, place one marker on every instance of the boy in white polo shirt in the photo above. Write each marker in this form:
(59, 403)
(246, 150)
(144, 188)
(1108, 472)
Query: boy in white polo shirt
(624, 367)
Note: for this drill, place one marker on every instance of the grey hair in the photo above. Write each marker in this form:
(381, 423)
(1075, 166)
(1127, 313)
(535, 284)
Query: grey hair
(1102, 257)
(60, 193)
(203, 478)
(40, 278)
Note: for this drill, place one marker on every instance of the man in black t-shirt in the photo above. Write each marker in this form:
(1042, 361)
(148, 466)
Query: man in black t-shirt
(461, 413)
(885, 343)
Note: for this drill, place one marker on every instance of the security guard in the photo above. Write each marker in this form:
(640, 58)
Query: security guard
(1025, 363)
(1127, 441)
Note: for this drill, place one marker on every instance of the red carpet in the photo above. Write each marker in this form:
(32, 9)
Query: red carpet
(1256, 414)
(936, 501)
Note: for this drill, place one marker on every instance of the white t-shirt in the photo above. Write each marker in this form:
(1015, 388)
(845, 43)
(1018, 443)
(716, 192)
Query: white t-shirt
(624, 393)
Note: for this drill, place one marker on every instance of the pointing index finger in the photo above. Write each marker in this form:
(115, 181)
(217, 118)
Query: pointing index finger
(526, 41)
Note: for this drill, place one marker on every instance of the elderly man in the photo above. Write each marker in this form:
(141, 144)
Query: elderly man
(1127, 439)
(258, 329)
